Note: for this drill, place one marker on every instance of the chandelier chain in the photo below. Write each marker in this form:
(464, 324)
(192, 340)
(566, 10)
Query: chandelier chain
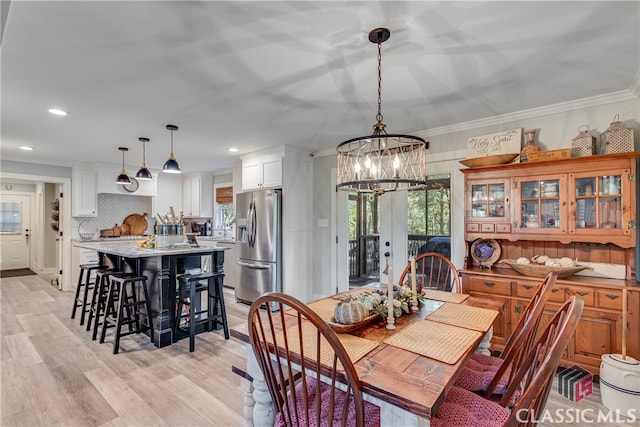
(379, 115)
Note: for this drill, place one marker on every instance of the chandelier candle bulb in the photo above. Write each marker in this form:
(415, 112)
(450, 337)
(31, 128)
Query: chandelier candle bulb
(390, 318)
(414, 286)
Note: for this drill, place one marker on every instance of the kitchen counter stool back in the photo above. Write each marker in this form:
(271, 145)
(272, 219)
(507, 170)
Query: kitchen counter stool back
(99, 298)
(189, 305)
(85, 284)
(128, 290)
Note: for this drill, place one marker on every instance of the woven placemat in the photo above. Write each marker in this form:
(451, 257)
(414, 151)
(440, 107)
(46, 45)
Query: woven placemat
(435, 340)
(324, 308)
(444, 296)
(355, 347)
(465, 316)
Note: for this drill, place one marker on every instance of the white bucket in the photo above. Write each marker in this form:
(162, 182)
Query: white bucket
(620, 384)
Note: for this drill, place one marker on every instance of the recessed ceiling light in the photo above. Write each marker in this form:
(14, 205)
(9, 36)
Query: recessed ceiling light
(57, 112)
(233, 150)
(25, 148)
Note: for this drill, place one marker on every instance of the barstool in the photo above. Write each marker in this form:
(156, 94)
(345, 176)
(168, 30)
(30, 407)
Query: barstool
(84, 285)
(99, 298)
(191, 286)
(126, 290)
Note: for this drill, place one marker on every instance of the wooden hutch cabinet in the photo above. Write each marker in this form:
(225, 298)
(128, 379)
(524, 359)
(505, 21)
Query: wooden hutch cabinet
(583, 208)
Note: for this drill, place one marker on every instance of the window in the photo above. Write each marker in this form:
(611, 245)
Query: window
(224, 214)
(10, 217)
(429, 217)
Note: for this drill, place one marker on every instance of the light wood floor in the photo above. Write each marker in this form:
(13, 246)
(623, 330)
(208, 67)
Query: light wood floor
(54, 375)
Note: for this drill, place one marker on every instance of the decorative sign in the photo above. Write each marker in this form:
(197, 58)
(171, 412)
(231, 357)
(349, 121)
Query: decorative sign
(508, 141)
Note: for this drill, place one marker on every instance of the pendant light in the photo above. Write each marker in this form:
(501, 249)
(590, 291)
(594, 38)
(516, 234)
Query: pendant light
(144, 173)
(123, 178)
(381, 162)
(171, 165)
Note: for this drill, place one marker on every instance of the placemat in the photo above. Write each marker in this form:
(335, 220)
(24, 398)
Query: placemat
(355, 347)
(444, 296)
(324, 308)
(435, 340)
(464, 316)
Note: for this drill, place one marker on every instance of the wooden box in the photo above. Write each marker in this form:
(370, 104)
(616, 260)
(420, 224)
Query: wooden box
(563, 153)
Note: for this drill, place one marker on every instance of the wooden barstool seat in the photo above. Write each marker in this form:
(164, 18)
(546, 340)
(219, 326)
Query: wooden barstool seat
(85, 284)
(190, 288)
(132, 298)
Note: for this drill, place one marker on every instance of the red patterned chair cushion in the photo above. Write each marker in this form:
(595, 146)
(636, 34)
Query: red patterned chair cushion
(477, 377)
(462, 408)
(487, 361)
(371, 411)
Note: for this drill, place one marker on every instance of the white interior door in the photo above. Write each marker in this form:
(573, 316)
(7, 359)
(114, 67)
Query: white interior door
(15, 231)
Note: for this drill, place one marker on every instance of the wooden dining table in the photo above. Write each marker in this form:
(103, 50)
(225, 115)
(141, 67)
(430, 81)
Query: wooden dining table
(409, 387)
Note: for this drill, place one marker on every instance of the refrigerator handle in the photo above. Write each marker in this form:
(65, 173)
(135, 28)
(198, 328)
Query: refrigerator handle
(250, 225)
(254, 220)
(255, 266)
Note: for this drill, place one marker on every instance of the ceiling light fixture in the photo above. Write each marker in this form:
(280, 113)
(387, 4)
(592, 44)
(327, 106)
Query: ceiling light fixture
(57, 112)
(381, 162)
(123, 178)
(233, 150)
(26, 148)
(171, 165)
(144, 173)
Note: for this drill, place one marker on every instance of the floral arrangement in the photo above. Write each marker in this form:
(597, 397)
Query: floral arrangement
(376, 300)
(148, 243)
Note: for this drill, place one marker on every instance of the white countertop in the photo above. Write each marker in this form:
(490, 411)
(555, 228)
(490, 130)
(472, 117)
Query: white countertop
(130, 249)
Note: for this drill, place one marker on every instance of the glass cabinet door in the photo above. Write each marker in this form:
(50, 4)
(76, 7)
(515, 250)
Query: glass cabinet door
(599, 203)
(540, 205)
(489, 200)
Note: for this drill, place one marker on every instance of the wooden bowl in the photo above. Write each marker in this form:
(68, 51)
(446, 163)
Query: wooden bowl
(496, 159)
(536, 270)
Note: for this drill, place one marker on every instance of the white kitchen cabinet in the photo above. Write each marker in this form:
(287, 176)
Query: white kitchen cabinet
(229, 263)
(80, 256)
(197, 195)
(169, 193)
(84, 194)
(262, 172)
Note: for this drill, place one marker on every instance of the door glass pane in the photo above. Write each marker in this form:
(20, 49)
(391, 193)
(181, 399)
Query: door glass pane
(10, 217)
(530, 214)
(429, 216)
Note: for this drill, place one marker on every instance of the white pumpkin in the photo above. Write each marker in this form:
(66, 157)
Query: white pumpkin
(350, 311)
(523, 260)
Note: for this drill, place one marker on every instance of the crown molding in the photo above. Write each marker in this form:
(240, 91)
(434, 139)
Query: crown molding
(609, 98)
(635, 85)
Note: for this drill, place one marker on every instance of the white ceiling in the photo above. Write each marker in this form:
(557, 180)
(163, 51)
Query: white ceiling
(257, 74)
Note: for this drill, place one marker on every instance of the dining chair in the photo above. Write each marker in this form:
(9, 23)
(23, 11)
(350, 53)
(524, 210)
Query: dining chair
(464, 408)
(311, 366)
(491, 374)
(433, 271)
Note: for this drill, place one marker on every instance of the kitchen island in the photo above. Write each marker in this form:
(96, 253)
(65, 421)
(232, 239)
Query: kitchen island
(161, 266)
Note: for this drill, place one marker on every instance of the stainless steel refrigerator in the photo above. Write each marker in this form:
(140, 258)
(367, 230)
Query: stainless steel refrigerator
(258, 244)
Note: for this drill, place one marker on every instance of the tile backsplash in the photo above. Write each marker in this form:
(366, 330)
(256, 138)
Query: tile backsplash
(113, 209)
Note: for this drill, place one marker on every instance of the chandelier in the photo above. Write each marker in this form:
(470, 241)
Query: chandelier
(381, 162)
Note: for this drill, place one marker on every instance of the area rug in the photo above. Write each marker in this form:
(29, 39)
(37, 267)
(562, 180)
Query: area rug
(17, 272)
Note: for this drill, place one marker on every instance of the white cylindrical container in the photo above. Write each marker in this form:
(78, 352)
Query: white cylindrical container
(620, 384)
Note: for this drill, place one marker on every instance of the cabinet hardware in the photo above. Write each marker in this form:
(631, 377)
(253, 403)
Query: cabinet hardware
(582, 293)
(612, 297)
(554, 290)
(517, 309)
(527, 287)
(489, 284)
(631, 177)
(631, 224)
